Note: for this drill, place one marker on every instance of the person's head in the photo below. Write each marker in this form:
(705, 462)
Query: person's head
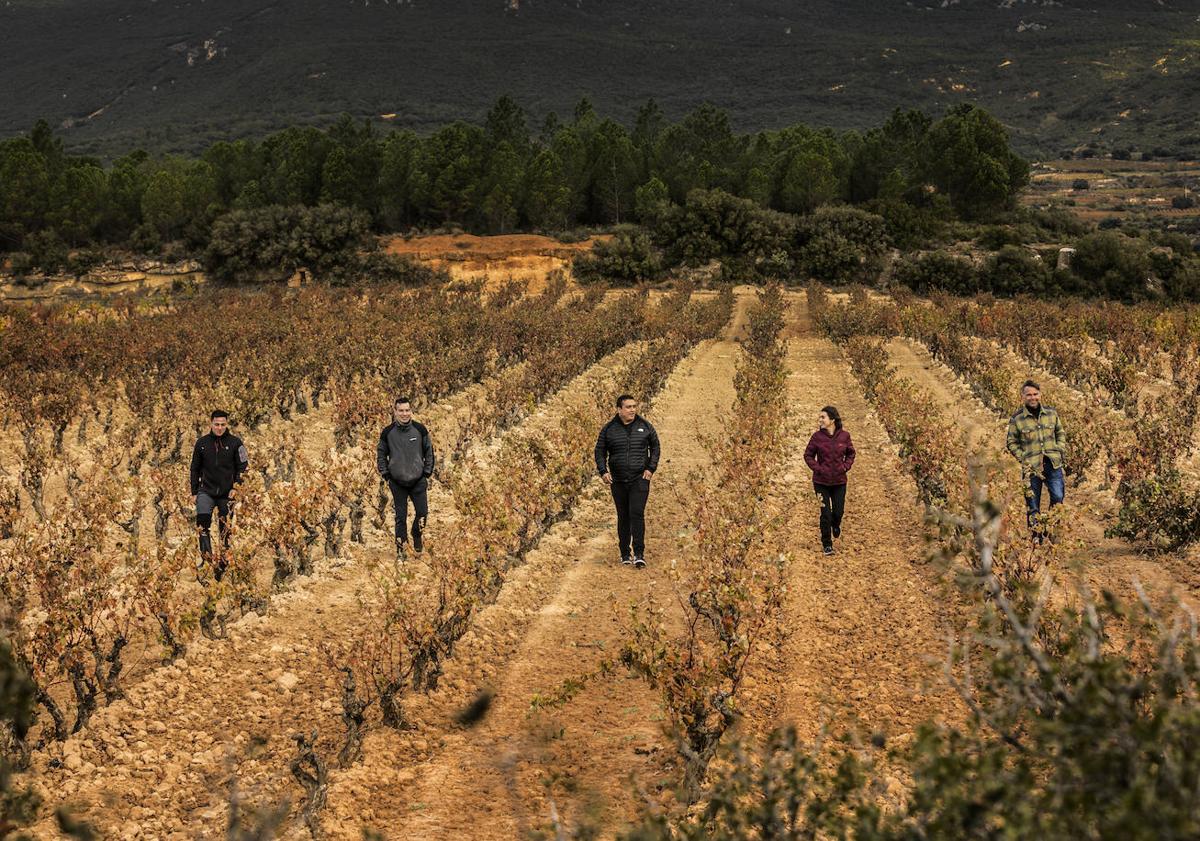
(402, 410)
(627, 408)
(828, 418)
(219, 421)
(1031, 393)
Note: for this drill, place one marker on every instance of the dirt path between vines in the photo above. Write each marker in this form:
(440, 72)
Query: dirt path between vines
(868, 636)
(560, 615)
(157, 764)
(1107, 563)
(869, 625)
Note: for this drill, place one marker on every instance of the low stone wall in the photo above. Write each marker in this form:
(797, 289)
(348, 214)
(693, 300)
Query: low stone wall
(112, 279)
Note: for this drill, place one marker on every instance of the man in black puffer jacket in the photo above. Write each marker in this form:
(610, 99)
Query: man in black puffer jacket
(218, 461)
(627, 453)
(404, 459)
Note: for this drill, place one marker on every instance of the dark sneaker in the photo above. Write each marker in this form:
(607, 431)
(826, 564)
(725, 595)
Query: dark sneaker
(828, 550)
(626, 560)
(418, 543)
(837, 531)
(639, 562)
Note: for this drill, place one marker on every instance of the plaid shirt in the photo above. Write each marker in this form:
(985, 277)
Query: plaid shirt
(1031, 439)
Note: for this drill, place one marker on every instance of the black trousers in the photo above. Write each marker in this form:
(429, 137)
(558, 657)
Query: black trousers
(205, 505)
(630, 500)
(401, 494)
(833, 504)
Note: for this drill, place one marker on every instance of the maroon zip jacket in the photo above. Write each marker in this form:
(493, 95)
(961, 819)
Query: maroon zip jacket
(830, 457)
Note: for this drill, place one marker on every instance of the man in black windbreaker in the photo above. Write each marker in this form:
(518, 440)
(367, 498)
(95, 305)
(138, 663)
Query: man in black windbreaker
(626, 457)
(218, 461)
(404, 459)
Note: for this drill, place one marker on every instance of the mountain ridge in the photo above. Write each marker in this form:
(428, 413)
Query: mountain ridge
(173, 75)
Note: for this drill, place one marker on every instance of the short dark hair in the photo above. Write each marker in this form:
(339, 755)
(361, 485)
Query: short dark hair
(623, 398)
(1029, 384)
(218, 413)
(400, 400)
(832, 412)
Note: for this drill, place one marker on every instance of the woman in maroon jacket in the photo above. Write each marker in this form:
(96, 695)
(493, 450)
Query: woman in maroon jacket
(830, 455)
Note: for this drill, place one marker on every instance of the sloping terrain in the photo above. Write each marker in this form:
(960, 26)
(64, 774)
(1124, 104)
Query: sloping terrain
(175, 74)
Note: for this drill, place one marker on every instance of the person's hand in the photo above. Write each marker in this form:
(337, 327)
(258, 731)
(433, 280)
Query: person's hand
(607, 478)
(646, 474)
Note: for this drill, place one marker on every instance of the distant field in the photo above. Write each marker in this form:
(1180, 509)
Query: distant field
(1134, 191)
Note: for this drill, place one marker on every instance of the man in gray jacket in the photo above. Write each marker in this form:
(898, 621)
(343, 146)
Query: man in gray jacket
(404, 458)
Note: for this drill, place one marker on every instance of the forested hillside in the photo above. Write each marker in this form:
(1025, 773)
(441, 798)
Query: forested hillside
(173, 75)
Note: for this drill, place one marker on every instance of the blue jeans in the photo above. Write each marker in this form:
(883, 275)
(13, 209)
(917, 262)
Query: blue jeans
(1052, 478)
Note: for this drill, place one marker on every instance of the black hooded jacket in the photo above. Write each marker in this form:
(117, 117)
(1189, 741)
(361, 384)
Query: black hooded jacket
(218, 464)
(405, 453)
(625, 450)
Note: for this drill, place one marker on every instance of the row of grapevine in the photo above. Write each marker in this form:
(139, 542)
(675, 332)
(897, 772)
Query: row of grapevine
(996, 381)
(1135, 331)
(311, 347)
(411, 623)
(1158, 500)
(1122, 371)
(84, 582)
(912, 418)
(950, 481)
(730, 588)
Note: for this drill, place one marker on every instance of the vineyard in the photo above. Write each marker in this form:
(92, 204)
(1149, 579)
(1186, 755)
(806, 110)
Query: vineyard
(514, 680)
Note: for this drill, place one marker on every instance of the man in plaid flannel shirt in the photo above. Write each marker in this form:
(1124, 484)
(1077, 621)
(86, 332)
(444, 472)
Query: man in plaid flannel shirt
(1036, 439)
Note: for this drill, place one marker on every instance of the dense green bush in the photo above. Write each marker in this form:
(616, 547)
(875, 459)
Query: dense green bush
(1072, 733)
(995, 237)
(44, 252)
(713, 224)
(145, 239)
(270, 243)
(83, 261)
(912, 227)
(1058, 222)
(380, 267)
(1183, 282)
(1013, 270)
(629, 257)
(1113, 265)
(935, 271)
(1178, 269)
(841, 245)
(21, 263)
